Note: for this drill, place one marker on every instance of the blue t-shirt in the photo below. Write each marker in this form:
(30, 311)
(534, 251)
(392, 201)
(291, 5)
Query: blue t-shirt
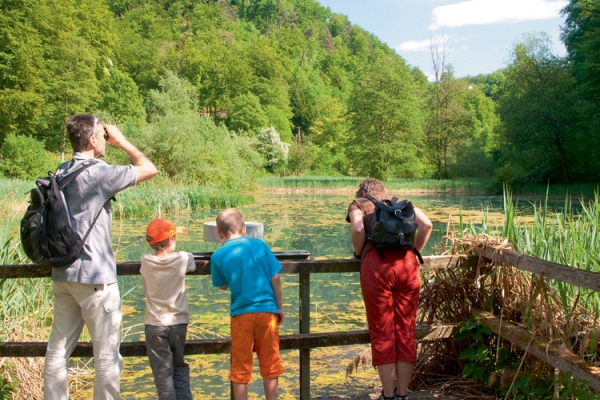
(247, 266)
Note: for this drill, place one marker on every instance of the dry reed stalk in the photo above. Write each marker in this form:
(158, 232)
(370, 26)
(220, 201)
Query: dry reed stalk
(28, 372)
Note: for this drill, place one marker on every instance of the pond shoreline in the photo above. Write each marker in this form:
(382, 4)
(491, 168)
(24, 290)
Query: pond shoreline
(352, 190)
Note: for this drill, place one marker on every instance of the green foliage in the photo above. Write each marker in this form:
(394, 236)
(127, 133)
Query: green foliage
(484, 361)
(247, 115)
(581, 35)
(24, 157)
(281, 123)
(296, 66)
(120, 96)
(176, 96)
(541, 115)
(385, 122)
(449, 125)
(191, 148)
(478, 356)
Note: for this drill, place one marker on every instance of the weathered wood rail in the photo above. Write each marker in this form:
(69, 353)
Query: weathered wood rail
(551, 352)
(293, 263)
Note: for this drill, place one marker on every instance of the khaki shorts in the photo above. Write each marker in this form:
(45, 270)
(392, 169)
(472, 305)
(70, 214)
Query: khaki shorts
(259, 332)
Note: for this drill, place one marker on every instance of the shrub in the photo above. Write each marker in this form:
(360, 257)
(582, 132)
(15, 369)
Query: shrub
(23, 157)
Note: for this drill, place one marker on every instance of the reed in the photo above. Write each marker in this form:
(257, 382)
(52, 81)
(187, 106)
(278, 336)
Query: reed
(335, 182)
(569, 236)
(25, 305)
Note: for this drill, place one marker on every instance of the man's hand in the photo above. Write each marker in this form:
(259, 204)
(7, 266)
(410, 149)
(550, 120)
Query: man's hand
(115, 137)
(145, 169)
(280, 317)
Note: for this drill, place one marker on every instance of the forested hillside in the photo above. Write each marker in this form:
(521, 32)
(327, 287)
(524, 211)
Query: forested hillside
(220, 92)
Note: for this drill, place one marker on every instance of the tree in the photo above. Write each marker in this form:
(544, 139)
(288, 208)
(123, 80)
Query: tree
(541, 115)
(385, 122)
(273, 149)
(449, 123)
(23, 157)
(247, 115)
(581, 35)
(175, 96)
(120, 96)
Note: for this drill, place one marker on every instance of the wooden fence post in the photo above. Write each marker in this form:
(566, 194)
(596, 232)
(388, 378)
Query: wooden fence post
(304, 279)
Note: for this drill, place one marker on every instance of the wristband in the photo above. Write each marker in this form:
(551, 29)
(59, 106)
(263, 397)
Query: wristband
(356, 256)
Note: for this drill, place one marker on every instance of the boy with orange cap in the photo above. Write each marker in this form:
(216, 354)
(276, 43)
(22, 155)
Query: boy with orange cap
(166, 318)
(251, 272)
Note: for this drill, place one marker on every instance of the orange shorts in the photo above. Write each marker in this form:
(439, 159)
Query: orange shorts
(254, 331)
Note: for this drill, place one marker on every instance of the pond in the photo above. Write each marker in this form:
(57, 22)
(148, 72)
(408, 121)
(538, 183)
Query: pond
(292, 221)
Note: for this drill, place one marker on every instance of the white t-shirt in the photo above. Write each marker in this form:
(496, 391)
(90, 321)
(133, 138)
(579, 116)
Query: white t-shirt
(164, 284)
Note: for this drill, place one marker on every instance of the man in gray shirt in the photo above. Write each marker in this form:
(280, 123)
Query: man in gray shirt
(85, 292)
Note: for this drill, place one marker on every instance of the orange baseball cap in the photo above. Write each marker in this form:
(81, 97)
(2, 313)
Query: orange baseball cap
(161, 229)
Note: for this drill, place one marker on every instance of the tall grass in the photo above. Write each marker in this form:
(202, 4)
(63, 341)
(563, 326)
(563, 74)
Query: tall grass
(144, 200)
(149, 198)
(325, 182)
(570, 236)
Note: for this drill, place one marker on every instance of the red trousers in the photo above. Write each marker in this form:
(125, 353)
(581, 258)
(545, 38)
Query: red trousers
(390, 289)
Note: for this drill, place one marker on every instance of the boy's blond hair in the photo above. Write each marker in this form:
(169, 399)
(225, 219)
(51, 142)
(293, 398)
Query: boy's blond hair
(230, 222)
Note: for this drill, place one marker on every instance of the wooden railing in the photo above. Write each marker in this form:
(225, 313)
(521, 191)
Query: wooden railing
(293, 262)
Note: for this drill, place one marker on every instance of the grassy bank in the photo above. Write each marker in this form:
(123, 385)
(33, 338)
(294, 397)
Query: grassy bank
(465, 185)
(325, 182)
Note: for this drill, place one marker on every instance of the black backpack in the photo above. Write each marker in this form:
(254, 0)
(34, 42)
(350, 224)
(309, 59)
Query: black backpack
(46, 233)
(394, 225)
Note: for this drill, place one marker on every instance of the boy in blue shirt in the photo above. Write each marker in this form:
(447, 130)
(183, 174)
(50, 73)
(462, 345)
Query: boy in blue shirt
(251, 272)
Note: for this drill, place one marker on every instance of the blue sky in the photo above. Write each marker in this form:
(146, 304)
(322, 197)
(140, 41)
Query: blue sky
(478, 34)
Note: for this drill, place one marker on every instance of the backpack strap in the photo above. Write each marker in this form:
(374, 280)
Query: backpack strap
(66, 179)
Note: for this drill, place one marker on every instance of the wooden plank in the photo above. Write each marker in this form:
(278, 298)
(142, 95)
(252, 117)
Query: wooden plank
(558, 356)
(279, 254)
(304, 294)
(563, 273)
(289, 267)
(424, 332)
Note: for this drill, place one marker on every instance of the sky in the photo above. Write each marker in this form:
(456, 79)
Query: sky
(477, 34)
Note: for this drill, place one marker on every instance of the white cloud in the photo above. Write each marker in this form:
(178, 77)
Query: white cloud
(483, 12)
(423, 45)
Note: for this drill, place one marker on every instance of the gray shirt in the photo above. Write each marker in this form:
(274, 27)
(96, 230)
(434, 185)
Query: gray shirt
(87, 195)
